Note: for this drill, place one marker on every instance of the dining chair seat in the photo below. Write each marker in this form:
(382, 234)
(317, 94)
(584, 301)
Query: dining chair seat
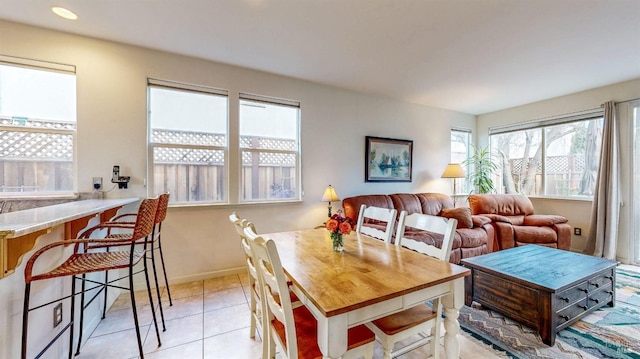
(307, 334)
(405, 320)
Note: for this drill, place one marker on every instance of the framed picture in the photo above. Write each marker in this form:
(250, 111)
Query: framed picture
(388, 160)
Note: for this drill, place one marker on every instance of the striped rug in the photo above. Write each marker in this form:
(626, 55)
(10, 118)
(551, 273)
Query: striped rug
(606, 333)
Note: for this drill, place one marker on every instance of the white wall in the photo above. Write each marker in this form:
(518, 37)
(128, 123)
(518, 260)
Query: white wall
(578, 212)
(199, 241)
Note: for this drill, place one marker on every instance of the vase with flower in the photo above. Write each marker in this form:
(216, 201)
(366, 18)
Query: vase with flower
(339, 226)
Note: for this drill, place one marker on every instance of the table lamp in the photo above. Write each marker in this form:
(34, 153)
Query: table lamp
(330, 195)
(454, 170)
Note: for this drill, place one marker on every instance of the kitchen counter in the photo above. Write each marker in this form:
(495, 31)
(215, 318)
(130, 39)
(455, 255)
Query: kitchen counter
(20, 230)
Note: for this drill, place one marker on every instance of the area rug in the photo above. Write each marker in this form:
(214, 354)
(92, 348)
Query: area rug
(606, 333)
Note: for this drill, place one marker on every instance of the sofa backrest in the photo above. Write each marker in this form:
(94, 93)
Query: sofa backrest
(351, 205)
(501, 204)
(425, 203)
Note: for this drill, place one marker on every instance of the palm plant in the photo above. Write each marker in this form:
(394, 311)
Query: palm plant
(483, 169)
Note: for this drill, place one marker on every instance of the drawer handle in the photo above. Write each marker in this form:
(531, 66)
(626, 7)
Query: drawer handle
(565, 299)
(584, 290)
(609, 277)
(583, 307)
(566, 318)
(597, 285)
(595, 300)
(610, 292)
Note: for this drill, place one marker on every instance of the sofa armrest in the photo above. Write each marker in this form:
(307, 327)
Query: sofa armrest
(512, 220)
(543, 220)
(479, 221)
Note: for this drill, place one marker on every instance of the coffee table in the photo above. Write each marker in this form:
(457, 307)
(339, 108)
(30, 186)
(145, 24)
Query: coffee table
(544, 288)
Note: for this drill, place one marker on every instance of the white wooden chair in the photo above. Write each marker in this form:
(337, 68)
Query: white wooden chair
(293, 331)
(378, 214)
(420, 319)
(254, 302)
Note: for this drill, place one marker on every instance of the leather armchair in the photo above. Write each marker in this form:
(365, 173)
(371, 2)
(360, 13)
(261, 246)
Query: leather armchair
(516, 224)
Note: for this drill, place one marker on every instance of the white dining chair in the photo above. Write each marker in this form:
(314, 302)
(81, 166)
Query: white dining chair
(255, 303)
(420, 320)
(254, 296)
(376, 215)
(293, 331)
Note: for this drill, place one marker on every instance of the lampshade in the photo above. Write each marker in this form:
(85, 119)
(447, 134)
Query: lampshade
(330, 195)
(453, 170)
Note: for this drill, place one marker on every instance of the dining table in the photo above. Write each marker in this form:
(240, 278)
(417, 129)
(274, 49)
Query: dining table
(368, 280)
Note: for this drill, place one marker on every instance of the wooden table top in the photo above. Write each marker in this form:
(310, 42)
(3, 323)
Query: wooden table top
(543, 267)
(369, 271)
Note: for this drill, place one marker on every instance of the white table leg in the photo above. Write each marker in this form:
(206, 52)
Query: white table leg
(332, 336)
(451, 304)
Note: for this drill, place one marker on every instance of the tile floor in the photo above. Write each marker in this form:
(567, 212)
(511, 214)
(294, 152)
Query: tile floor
(209, 319)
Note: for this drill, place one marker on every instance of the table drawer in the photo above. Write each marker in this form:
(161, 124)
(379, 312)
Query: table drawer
(601, 281)
(571, 295)
(571, 312)
(601, 297)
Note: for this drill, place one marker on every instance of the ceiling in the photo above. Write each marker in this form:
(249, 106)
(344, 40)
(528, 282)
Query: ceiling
(472, 56)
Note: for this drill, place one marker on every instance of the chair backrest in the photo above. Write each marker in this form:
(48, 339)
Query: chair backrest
(377, 214)
(240, 225)
(163, 203)
(145, 220)
(433, 224)
(275, 292)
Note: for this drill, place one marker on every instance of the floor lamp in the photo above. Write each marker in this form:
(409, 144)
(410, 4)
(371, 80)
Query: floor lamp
(454, 171)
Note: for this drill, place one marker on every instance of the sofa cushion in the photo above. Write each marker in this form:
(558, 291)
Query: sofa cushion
(462, 214)
(501, 204)
(352, 205)
(479, 221)
(434, 203)
(543, 220)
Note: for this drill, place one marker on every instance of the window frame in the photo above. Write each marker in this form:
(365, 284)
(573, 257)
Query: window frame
(465, 163)
(297, 152)
(17, 124)
(233, 165)
(542, 125)
(151, 145)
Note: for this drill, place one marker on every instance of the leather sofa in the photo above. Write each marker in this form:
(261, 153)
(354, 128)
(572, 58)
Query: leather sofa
(516, 224)
(474, 235)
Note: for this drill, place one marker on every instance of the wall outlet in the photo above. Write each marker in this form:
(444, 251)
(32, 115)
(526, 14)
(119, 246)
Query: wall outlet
(97, 183)
(57, 315)
(577, 231)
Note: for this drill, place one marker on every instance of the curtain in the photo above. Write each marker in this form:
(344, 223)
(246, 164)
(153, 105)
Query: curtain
(605, 210)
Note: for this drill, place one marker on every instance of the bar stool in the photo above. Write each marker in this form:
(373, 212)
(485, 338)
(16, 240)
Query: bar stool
(89, 256)
(161, 215)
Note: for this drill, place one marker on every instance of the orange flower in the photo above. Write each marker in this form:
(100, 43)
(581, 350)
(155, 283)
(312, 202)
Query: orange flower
(332, 225)
(345, 228)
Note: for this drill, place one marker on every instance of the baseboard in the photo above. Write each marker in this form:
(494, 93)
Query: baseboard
(207, 275)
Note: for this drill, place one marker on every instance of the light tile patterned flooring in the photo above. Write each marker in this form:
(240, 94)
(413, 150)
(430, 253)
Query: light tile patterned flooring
(208, 320)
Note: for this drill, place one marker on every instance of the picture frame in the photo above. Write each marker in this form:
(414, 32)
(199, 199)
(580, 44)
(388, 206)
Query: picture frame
(388, 159)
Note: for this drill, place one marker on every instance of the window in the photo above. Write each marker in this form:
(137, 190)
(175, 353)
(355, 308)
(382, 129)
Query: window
(270, 148)
(37, 127)
(189, 146)
(460, 149)
(557, 157)
(187, 141)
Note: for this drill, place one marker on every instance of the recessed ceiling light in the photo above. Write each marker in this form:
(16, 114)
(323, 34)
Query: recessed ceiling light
(62, 12)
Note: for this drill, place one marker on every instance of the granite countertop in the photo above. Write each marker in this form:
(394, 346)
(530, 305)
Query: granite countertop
(15, 224)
